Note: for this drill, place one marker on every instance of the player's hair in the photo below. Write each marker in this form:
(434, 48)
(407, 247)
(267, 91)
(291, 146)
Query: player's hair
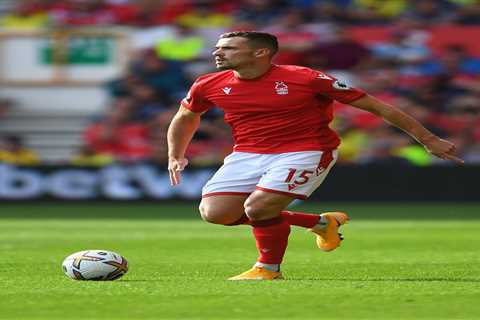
(256, 39)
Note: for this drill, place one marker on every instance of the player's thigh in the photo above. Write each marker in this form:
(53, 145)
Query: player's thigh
(261, 205)
(222, 209)
(239, 174)
(297, 174)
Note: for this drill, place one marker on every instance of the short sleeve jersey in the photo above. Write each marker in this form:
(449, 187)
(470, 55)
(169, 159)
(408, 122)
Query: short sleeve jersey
(287, 109)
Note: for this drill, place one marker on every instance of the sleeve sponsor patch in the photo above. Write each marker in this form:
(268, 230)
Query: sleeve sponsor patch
(339, 85)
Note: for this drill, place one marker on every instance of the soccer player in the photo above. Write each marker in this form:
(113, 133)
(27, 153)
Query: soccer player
(283, 148)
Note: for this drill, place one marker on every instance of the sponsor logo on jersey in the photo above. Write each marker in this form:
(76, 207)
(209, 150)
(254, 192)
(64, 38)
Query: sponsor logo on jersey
(227, 90)
(339, 85)
(281, 87)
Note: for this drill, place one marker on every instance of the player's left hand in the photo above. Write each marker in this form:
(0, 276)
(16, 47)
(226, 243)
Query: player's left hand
(443, 149)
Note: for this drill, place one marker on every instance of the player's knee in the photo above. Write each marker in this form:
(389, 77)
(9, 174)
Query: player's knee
(205, 212)
(210, 215)
(255, 210)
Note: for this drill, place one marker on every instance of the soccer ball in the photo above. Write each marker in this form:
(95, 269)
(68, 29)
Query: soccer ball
(95, 265)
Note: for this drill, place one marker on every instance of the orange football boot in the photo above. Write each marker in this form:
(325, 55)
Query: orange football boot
(258, 273)
(328, 238)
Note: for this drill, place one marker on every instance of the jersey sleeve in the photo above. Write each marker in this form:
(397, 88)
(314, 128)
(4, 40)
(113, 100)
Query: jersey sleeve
(333, 88)
(195, 100)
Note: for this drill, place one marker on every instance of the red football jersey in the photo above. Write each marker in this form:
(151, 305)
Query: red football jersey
(287, 109)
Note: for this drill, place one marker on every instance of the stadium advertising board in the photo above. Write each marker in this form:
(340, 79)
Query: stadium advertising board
(149, 182)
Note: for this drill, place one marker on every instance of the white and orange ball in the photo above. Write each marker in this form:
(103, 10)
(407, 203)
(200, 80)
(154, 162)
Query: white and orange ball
(95, 265)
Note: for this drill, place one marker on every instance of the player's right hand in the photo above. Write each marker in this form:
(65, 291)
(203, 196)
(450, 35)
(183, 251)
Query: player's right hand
(175, 166)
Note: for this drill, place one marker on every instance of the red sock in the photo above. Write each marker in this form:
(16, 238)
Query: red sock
(272, 239)
(301, 219)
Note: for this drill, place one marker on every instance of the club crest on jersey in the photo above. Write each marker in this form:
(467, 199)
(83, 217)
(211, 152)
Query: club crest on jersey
(227, 90)
(281, 87)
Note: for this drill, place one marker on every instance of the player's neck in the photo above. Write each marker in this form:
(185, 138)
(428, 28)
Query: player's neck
(252, 72)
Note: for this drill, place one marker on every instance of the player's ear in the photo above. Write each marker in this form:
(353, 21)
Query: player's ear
(262, 52)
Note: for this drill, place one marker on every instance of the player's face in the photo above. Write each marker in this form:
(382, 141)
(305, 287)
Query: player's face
(233, 53)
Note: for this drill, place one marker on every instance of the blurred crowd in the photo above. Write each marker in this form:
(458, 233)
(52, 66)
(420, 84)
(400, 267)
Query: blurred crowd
(172, 43)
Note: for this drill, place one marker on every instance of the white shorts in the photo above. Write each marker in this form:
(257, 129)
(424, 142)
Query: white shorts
(295, 174)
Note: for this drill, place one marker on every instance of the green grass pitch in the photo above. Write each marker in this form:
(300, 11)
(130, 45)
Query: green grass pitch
(398, 261)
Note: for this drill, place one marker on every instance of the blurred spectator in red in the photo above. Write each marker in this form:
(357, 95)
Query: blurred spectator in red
(13, 151)
(462, 115)
(26, 15)
(293, 38)
(91, 13)
(149, 13)
(119, 137)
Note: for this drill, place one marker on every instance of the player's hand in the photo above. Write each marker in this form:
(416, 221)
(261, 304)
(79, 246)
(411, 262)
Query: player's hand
(442, 148)
(175, 166)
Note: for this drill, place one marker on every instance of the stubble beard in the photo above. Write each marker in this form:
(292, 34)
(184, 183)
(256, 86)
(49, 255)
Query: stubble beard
(224, 67)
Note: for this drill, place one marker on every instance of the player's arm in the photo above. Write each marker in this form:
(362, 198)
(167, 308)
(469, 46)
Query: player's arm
(180, 133)
(441, 148)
